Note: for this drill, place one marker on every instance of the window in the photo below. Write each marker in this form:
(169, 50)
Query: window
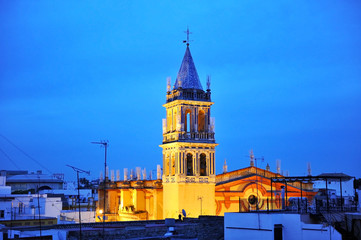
(173, 165)
(2, 213)
(174, 120)
(166, 172)
(201, 121)
(252, 199)
(189, 164)
(203, 165)
(169, 121)
(188, 121)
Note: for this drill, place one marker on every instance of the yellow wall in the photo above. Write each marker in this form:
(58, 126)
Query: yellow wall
(190, 197)
(133, 202)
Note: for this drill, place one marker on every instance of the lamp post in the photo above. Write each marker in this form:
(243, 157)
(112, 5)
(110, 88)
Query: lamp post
(105, 144)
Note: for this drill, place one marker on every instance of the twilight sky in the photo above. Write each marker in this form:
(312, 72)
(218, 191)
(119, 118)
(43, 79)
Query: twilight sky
(286, 81)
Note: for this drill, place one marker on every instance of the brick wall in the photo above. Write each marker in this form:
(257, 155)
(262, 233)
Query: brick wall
(210, 227)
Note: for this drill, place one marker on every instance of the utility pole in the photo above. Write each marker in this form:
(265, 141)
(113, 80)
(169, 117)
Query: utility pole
(39, 206)
(105, 144)
(78, 170)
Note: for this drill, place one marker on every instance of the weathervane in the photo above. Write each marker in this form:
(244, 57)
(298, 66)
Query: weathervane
(187, 32)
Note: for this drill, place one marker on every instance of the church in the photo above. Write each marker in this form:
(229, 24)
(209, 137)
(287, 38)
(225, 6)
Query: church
(188, 185)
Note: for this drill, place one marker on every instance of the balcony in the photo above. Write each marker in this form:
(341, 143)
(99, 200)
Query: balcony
(189, 94)
(207, 137)
(181, 178)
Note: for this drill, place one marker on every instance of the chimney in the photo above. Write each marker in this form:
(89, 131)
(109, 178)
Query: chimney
(138, 173)
(251, 156)
(118, 175)
(126, 174)
(278, 164)
(309, 171)
(101, 176)
(131, 174)
(144, 174)
(159, 172)
(225, 167)
(112, 175)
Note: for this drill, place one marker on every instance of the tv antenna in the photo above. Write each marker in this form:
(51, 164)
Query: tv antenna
(262, 160)
(105, 144)
(78, 170)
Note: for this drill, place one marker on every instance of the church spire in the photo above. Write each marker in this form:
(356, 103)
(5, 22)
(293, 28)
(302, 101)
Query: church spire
(187, 77)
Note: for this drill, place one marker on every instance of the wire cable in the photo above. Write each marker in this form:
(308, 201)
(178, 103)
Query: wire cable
(23, 152)
(12, 161)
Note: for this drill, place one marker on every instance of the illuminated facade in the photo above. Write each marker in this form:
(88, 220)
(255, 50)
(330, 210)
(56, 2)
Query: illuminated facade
(188, 182)
(251, 188)
(188, 146)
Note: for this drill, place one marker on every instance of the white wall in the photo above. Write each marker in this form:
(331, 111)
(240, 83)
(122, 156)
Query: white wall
(53, 207)
(5, 205)
(83, 192)
(2, 181)
(261, 226)
(56, 234)
(319, 232)
(86, 216)
(250, 227)
(49, 207)
(4, 190)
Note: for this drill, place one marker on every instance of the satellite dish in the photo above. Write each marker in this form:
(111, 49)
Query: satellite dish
(184, 213)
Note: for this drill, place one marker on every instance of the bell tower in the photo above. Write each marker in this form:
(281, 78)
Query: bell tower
(188, 145)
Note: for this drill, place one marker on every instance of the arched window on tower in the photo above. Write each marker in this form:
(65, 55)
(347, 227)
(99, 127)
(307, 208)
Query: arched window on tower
(166, 170)
(173, 165)
(188, 121)
(201, 121)
(203, 165)
(174, 120)
(169, 120)
(189, 164)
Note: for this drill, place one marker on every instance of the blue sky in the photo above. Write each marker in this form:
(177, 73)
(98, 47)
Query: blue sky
(285, 81)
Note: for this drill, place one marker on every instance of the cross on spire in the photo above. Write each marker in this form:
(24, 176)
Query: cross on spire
(187, 32)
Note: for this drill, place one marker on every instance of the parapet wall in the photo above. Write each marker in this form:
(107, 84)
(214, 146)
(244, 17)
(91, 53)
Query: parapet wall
(202, 228)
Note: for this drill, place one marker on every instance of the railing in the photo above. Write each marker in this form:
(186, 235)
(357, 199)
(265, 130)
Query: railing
(185, 94)
(292, 205)
(189, 179)
(197, 136)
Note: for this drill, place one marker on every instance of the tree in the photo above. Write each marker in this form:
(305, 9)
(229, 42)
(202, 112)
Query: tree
(84, 183)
